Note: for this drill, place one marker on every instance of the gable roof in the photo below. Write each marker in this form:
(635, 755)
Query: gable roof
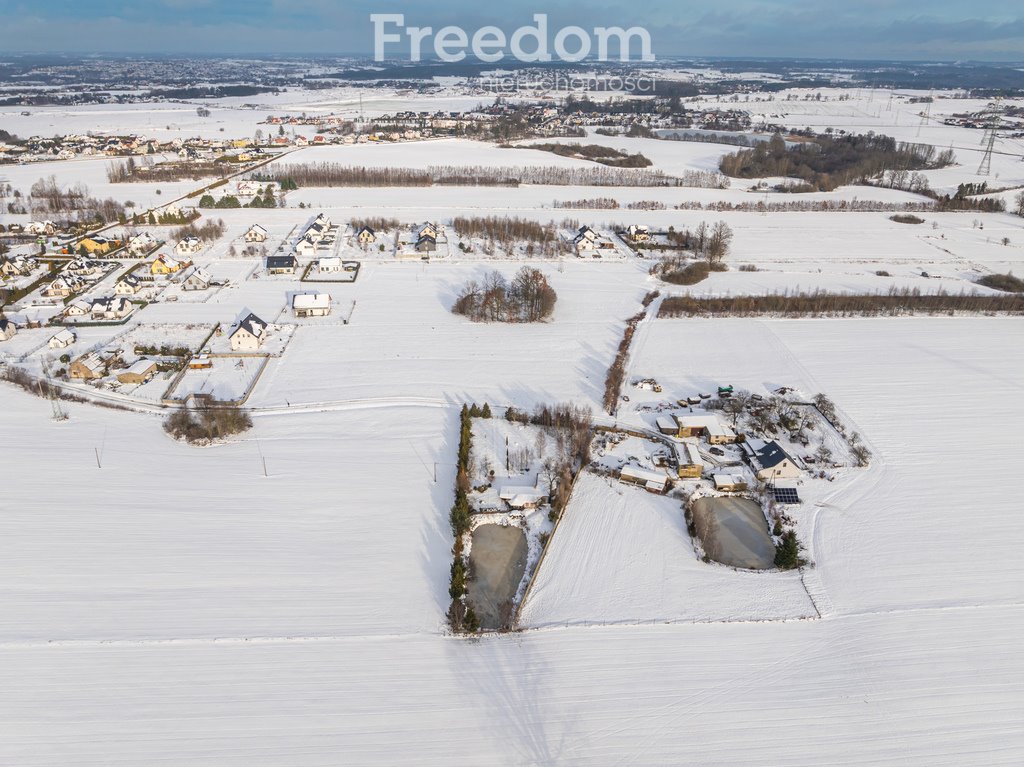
(280, 262)
(771, 455)
(251, 324)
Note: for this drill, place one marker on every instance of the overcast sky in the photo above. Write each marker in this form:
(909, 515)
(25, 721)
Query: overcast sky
(862, 29)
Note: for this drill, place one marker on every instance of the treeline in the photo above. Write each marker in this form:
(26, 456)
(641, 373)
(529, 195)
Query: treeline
(616, 375)
(334, 175)
(1005, 282)
(605, 155)
(826, 162)
(896, 302)
(528, 298)
(376, 223)
(460, 615)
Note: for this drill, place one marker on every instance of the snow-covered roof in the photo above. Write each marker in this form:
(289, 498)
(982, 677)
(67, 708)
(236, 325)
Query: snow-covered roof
(710, 422)
(771, 455)
(643, 475)
(688, 454)
(724, 480)
(311, 301)
(251, 324)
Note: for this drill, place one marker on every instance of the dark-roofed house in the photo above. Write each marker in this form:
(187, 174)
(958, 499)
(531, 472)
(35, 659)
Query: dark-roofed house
(7, 329)
(426, 244)
(281, 264)
(249, 335)
(774, 463)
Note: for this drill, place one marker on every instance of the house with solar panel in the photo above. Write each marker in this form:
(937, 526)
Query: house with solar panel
(771, 462)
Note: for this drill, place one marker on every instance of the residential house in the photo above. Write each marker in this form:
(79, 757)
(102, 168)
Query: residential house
(427, 230)
(365, 236)
(772, 462)
(41, 227)
(128, 285)
(585, 241)
(653, 481)
(17, 266)
(730, 483)
(281, 264)
(62, 287)
(638, 233)
(138, 372)
(77, 309)
(7, 329)
(62, 340)
(256, 233)
(426, 244)
(97, 244)
(249, 335)
(88, 367)
(85, 267)
(691, 465)
(141, 244)
(188, 246)
(305, 247)
(196, 279)
(330, 264)
(113, 308)
(311, 304)
(164, 264)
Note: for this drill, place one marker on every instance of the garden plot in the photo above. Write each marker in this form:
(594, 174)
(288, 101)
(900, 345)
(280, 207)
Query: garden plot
(227, 379)
(623, 555)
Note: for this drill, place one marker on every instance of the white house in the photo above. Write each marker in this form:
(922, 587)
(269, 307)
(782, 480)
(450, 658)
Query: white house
(365, 236)
(638, 233)
(114, 308)
(62, 340)
(256, 233)
(306, 246)
(141, 244)
(311, 304)
(196, 279)
(330, 264)
(7, 329)
(128, 285)
(523, 497)
(249, 335)
(188, 246)
(774, 463)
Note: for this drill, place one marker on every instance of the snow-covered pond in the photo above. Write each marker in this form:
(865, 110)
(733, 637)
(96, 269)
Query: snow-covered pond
(498, 562)
(734, 532)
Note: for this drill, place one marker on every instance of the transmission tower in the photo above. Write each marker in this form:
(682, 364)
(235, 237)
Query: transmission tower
(989, 141)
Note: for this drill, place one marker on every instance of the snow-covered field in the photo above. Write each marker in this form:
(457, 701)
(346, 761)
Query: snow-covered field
(281, 599)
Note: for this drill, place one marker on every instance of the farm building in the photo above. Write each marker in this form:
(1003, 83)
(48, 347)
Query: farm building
(281, 264)
(730, 483)
(653, 481)
(668, 425)
(88, 367)
(249, 335)
(706, 425)
(523, 497)
(139, 372)
(691, 465)
(311, 304)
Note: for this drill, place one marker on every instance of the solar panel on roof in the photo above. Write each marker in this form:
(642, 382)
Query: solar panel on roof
(786, 495)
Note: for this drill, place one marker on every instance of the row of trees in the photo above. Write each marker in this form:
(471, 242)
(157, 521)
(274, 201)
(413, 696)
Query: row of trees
(461, 617)
(821, 303)
(47, 198)
(527, 298)
(334, 175)
(211, 229)
(616, 375)
(599, 153)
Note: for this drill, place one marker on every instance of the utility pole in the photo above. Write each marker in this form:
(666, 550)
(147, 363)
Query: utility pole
(989, 140)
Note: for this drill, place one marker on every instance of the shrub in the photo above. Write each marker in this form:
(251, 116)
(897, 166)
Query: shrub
(206, 424)
(1005, 282)
(696, 272)
(900, 218)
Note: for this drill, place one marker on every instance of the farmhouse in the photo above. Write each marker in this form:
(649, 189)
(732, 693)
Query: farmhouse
(138, 373)
(311, 304)
(691, 465)
(188, 245)
(62, 340)
(7, 329)
(706, 425)
(772, 462)
(730, 483)
(281, 264)
(652, 481)
(365, 236)
(249, 335)
(256, 233)
(196, 279)
(88, 367)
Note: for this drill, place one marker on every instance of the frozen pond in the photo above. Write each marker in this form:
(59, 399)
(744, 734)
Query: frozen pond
(734, 532)
(498, 562)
